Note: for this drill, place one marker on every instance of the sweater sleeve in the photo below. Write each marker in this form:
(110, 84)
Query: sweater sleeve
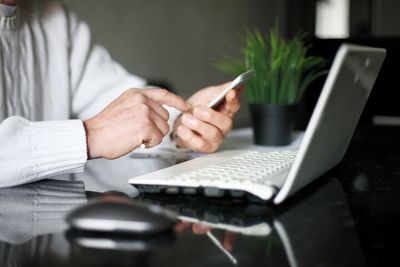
(31, 151)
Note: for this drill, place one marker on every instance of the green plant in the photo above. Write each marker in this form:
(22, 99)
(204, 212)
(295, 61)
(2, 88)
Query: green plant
(282, 70)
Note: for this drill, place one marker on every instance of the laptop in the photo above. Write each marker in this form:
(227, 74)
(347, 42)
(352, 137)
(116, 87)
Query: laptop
(275, 175)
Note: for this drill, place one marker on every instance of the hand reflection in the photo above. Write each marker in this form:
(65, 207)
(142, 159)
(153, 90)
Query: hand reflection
(114, 196)
(202, 229)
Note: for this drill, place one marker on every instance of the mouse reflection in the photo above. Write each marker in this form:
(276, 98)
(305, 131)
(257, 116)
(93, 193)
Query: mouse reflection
(115, 213)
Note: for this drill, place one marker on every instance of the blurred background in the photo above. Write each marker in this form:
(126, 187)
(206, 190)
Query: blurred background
(175, 42)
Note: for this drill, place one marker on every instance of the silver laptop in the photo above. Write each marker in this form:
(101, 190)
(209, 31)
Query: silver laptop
(278, 174)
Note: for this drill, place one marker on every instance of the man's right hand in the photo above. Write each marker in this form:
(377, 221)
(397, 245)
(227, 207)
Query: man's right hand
(136, 117)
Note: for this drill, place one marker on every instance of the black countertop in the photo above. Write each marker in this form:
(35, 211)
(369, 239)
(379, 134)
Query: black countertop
(348, 217)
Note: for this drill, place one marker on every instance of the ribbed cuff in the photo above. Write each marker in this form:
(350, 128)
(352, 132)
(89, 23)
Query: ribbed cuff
(37, 208)
(10, 23)
(7, 11)
(58, 147)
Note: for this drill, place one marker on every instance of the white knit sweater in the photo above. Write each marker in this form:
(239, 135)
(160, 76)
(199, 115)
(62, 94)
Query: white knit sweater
(51, 77)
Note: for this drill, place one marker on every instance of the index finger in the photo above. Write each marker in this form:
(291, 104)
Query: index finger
(165, 97)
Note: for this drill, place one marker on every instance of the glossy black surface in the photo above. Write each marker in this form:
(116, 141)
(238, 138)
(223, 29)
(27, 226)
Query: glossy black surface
(348, 217)
(113, 214)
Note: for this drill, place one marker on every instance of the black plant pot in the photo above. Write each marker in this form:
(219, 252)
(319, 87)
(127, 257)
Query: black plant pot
(272, 124)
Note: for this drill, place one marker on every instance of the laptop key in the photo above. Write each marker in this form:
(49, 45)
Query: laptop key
(213, 192)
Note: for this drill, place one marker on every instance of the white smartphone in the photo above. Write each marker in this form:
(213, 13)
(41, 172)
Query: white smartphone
(235, 84)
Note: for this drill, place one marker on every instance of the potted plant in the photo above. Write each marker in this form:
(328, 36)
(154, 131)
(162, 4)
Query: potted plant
(283, 72)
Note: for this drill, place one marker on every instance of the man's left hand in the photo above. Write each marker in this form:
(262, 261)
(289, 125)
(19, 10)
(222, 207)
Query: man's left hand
(203, 129)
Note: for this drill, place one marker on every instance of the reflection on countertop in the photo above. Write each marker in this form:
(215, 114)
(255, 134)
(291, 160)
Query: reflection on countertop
(348, 217)
(30, 214)
(314, 229)
(36, 209)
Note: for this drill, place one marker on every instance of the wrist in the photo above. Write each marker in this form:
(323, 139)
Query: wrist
(92, 146)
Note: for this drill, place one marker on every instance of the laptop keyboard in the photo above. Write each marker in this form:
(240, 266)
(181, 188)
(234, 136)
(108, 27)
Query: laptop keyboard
(252, 166)
(256, 172)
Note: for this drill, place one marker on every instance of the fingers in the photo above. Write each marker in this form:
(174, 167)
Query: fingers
(207, 131)
(151, 136)
(231, 105)
(160, 122)
(222, 121)
(165, 97)
(133, 119)
(181, 226)
(149, 118)
(157, 108)
(200, 229)
(233, 100)
(155, 117)
(203, 131)
(156, 127)
(229, 240)
(189, 139)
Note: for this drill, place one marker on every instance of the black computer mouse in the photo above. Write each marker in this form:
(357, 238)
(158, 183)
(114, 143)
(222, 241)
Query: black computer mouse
(126, 216)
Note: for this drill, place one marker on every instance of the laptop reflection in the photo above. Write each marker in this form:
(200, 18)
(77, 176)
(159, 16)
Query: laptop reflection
(315, 226)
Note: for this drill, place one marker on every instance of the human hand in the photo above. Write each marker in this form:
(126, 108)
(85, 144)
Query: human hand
(134, 118)
(203, 129)
(201, 229)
